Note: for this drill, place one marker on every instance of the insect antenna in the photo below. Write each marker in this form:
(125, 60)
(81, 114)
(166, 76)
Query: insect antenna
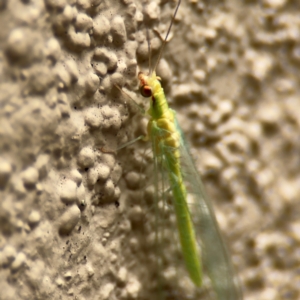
(165, 40)
(149, 50)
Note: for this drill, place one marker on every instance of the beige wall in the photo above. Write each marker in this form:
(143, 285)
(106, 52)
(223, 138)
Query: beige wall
(75, 222)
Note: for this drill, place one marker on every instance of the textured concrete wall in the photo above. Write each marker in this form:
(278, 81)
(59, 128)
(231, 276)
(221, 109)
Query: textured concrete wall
(75, 216)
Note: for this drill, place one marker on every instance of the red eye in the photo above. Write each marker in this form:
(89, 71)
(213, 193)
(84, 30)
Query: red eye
(146, 91)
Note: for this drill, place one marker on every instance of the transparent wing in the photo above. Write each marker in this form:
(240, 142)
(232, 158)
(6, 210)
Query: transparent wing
(215, 258)
(217, 267)
(173, 281)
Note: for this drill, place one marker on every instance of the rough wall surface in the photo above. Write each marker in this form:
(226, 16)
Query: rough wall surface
(72, 218)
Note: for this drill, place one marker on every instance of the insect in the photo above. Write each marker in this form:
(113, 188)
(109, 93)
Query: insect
(202, 248)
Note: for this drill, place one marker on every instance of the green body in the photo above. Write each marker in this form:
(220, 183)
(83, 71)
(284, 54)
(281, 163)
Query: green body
(166, 140)
(198, 229)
